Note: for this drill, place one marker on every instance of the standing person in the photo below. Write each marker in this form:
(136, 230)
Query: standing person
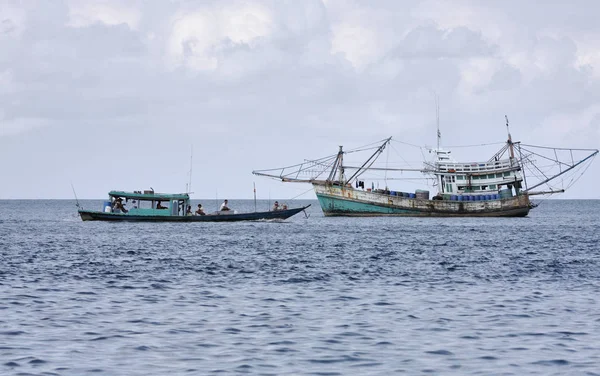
(224, 206)
(188, 211)
(276, 206)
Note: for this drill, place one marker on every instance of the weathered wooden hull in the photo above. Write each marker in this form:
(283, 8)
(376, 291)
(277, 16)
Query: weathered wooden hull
(87, 215)
(350, 202)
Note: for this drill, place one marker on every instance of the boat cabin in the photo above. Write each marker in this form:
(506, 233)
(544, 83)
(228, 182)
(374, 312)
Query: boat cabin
(477, 178)
(147, 203)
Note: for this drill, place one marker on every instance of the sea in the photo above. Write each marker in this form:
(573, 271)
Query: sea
(311, 295)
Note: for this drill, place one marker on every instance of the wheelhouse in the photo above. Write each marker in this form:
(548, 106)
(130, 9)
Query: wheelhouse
(147, 203)
(455, 178)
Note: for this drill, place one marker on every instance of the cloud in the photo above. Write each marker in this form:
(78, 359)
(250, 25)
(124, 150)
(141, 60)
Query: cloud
(88, 13)
(430, 42)
(253, 84)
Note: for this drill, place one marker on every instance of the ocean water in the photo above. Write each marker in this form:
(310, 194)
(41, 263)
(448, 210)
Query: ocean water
(307, 296)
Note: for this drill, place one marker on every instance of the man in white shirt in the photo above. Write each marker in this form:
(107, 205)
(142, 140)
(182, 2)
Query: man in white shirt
(224, 206)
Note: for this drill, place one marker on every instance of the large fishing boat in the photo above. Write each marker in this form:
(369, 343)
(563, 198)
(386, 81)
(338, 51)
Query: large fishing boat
(148, 206)
(496, 187)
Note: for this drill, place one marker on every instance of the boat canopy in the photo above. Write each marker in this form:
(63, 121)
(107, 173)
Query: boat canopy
(150, 196)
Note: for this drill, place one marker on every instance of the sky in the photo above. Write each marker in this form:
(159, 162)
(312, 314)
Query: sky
(115, 94)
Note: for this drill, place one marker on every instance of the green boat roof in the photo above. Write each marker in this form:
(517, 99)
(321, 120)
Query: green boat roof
(150, 196)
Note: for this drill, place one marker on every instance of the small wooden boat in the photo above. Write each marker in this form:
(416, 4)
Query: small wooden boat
(148, 206)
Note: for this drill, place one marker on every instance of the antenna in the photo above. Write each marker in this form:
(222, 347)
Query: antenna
(437, 120)
(189, 184)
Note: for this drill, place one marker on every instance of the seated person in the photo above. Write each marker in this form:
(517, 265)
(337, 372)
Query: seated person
(276, 206)
(160, 206)
(200, 211)
(284, 207)
(119, 206)
(224, 206)
(188, 211)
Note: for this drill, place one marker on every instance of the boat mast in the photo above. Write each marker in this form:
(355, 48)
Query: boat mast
(254, 184)
(337, 165)
(439, 137)
(188, 188)
(510, 143)
(369, 162)
(341, 167)
(437, 120)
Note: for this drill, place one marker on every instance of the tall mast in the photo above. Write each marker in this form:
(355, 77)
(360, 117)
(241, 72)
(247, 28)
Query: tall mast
(341, 162)
(439, 136)
(189, 184)
(337, 165)
(369, 162)
(437, 119)
(510, 143)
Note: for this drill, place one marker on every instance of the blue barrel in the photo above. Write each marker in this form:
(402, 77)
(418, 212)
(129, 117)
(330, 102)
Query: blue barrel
(480, 198)
(106, 207)
(393, 193)
(460, 197)
(505, 193)
(452, 197)
(495, 196)
(488, 197)
(412, 195)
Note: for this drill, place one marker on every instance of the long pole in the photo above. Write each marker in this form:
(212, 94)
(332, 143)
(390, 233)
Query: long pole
(254, 195)
(191, 165)
(75, 194)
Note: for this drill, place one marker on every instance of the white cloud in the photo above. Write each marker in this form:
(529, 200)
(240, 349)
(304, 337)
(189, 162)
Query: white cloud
(257, 83)
(198, 36)
(90, 12)
(13, 20)
(20, 125)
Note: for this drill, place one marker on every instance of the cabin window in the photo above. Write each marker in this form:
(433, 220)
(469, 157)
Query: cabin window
(491, 176)
(492, 186)
(507, 173)
(475, 187)
(498, 175)
(461, 188)
(460, 177)
(145, 204)
(484, 187)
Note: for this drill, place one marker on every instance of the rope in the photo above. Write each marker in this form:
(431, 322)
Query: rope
(476, 145)
(301, 194)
